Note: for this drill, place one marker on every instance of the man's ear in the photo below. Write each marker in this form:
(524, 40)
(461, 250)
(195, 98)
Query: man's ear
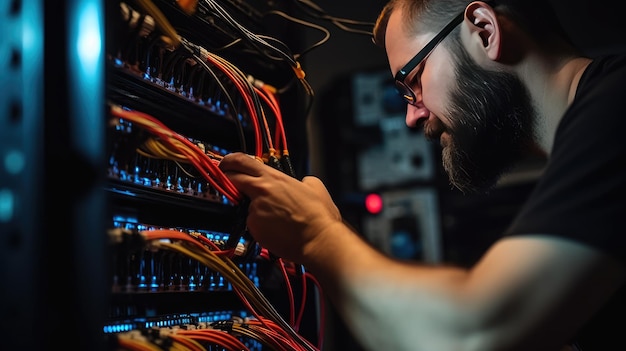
(483, 24)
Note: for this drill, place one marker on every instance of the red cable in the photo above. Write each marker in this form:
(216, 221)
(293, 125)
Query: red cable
(281, 265)
(200, 160)
(247, 100)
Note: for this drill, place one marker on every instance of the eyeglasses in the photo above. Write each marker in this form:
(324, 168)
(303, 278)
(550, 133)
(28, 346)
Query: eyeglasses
(405, 91)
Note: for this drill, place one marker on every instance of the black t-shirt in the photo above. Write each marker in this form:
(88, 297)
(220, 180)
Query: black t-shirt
(582, 192)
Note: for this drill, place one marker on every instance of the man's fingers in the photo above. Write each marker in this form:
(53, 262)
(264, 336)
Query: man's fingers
(239, 162)
(315, 183)
(319, 188)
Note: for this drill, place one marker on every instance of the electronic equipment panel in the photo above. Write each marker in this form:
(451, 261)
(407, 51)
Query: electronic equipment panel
(187, 83)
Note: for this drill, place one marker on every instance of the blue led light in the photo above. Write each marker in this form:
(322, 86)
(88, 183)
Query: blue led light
(14, 162)
(89, 37)
(7, 205)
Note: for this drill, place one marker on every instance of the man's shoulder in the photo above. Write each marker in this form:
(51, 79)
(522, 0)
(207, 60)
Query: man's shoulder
(606, 66)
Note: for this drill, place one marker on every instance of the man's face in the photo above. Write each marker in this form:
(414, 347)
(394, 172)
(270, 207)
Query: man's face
(489, 122)
(482, 119)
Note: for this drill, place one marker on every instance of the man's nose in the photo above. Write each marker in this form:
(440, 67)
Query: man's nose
(416, 114)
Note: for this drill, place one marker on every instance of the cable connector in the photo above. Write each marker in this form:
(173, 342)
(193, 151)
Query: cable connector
(261, 84)
(239, 225)
(188, 6)
(287, 166)
(274, 162)
(240, 249)
(223, 325)
(131, 239)
(299, 71)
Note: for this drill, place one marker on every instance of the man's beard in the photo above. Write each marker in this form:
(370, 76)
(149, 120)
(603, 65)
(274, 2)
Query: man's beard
(491, 125)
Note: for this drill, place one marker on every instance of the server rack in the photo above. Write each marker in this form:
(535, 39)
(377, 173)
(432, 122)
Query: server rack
(89, 174)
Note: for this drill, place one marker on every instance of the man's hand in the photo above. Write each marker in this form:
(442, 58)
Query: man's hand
(285, 214)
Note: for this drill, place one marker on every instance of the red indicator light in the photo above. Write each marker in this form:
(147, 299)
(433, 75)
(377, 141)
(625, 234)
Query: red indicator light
(374, 203)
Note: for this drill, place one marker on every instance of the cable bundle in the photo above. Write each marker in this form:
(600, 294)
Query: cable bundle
(173, 62)
(174, 146)
(268, 327)
(182, 66)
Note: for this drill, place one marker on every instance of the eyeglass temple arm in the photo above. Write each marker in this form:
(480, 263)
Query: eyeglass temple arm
(434, 42)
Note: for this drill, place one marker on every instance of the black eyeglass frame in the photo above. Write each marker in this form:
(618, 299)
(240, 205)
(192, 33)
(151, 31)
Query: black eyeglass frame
(405, 91)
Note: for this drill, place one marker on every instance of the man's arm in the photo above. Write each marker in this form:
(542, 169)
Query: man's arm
(528, 292)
